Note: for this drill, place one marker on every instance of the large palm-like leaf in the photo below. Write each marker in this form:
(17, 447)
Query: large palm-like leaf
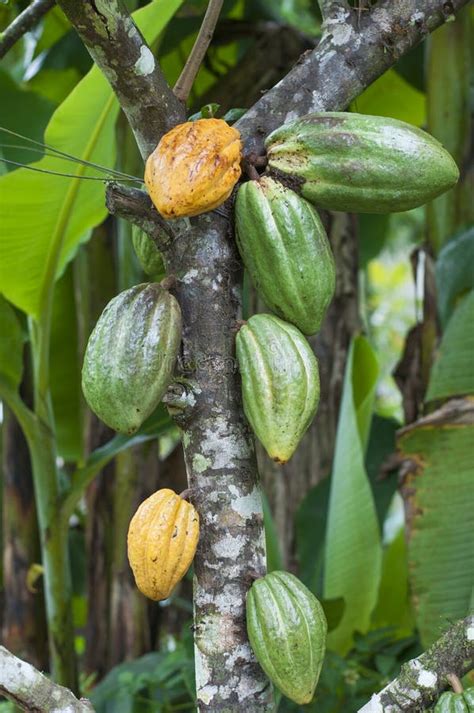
(45, 217)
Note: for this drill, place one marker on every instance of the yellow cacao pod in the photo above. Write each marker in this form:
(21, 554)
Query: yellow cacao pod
(162, 541)
(194, 168)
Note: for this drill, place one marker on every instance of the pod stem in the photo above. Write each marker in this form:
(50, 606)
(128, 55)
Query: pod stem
(455, 683)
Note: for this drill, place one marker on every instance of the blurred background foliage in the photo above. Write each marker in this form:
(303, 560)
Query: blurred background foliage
(347, 536)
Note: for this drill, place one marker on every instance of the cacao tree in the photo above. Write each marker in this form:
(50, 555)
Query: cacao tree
(246, 190)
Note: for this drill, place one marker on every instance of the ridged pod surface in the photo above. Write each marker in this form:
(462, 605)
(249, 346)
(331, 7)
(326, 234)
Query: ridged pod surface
(280, 383)
(285, 249)
(287, 631)
(363, 164)
(149, 257)
(130, 356)
(194, 167)
(162, 540)
(450, 702)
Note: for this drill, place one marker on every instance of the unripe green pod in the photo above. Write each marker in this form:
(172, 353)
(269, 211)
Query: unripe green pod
(287, 630)
(280, 383)
(360, 163)
(285, 249)
(450, 702)
(130, 356)
(149, 257)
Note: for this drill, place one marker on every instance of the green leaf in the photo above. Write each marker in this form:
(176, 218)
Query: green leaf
(438, 500)
(373, 232)
(453, 371)
(55, 26)
(393, 608)
(391, 95)
(274, 556)
(454, 273)
(333, 611)
(54, 84)
(11, 345)
(311, 522)
(381, 446)
(353, 549)
(24, 112)
(65, 363)
(33, 253)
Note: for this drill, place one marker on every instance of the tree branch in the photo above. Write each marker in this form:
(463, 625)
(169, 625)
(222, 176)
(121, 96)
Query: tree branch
(333, 9)
(191, 68)
(135, 205)
(422, 680)
(119, 49)
(345, 62)
(23, 23)
(33, 692)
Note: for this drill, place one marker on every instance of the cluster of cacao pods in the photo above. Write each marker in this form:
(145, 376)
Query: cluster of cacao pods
(335, 161)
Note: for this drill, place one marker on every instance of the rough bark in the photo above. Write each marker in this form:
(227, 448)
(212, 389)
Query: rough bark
(218, 447)
(348, 58)
(32, 691)
(24, 625)
(422, 680)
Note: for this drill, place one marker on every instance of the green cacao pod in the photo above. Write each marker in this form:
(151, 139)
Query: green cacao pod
(359, 163)
(147, 253)
(280, 383)
(285, 249)
(287, 632)
(130, 356)
(450, 702)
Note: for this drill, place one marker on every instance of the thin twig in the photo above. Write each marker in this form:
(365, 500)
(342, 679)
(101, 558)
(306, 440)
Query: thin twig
(185, 82)
(23, 23)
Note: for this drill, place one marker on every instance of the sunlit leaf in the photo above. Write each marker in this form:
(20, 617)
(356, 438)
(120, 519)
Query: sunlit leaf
(45, 217)
(65, 365)
(54, 84)
(438, 499)
(393, 606)
(391, 95)
(353, 549)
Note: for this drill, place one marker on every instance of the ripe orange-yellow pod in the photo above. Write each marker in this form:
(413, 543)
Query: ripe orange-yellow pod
(162, 541)
(194, 167)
